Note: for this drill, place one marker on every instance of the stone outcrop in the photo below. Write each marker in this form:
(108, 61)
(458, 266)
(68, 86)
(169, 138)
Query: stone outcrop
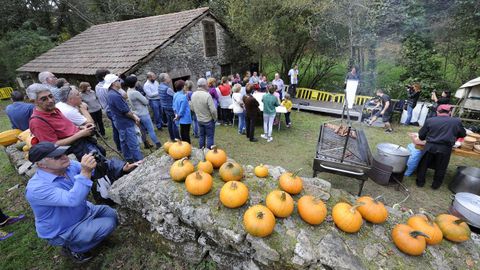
(196, 227)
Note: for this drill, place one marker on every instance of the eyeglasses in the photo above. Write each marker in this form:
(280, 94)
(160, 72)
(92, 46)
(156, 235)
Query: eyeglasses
(45, 98)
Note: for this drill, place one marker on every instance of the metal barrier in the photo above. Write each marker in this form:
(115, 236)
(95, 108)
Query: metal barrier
(6, 92)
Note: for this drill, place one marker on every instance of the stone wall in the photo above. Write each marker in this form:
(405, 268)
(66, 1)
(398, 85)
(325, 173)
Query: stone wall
(195, 228)
(186, 55)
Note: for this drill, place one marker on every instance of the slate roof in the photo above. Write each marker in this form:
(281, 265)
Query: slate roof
(116, 46)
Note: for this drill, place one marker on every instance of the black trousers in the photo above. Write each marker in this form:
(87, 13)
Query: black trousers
(250, 127)
(185, 132)
(226, 115)
(97, 118)
(287, 118)
(292, 90)
(436, 160)
(3, 217)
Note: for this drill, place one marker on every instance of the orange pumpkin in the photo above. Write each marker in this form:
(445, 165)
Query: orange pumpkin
(408, 240)
(372, 210)
(199, 183)
(346, 217)
(280, 203)
(9, 137)
(180, 169)
(427, 226)
(234, 194)
(167, 145)
(179, 149)
(291, 182)
(453, 228)
(205, 166)
(216, 156)
(311, 210)
(259, 221)
(231, 171)
(261, 171)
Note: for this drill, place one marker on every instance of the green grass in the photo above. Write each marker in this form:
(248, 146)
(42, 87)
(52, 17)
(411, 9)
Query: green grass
(133, 246)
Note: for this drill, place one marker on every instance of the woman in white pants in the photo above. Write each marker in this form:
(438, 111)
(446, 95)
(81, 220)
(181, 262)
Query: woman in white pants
(269, 103)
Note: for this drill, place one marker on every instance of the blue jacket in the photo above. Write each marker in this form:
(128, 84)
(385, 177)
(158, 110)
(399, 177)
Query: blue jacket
(119, 108)
(181, 108)
(166, 96)
(19, 114)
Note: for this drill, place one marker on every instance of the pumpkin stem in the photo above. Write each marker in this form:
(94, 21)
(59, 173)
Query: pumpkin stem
(182, 160)
(230, 165)
(296, 172)
(260, 215)
(199, 176)
(415, 234)
(427, 215)
(233, 185)
(355, 206)
(214, 148)
(178, 141)
(345, 200)
(283, 197)
(378, 198)
(459, 221)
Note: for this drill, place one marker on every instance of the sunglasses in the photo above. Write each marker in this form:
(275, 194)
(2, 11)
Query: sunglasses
(45, 98)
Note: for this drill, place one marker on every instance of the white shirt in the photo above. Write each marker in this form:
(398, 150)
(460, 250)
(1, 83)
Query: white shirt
(151, 89)
(237, 102)
(280, 85)
(71, 113)
(293, 73)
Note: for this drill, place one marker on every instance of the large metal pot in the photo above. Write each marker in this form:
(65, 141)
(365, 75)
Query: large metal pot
(393, 155)
(467, 179)
(467, 206)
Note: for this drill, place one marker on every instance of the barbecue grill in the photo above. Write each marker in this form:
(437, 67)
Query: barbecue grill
(343, 150)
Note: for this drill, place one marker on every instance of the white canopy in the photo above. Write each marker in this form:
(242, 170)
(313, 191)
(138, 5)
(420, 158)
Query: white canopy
(470, 91)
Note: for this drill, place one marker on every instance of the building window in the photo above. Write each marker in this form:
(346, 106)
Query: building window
(210, 38)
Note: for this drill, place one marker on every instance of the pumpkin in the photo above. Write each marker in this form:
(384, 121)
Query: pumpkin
(424, 224)
(408, 240)
(26, 147)
(291, 183)
(372, 210)
(180, 169)
(9, 137)
(234, 194)
(167, 145)
(453, 228)
(216, 156)
(346, 217)
(261, 171)
(199, 183)
(231, 171)
(280, 203)
(259, 221)
(205, 165)
(179, 149)
(26, 136)
(311, 210)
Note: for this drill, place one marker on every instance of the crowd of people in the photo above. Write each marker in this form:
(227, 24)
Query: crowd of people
(65, 119)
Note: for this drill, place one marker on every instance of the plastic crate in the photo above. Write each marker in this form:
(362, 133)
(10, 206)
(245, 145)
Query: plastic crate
(5, 92)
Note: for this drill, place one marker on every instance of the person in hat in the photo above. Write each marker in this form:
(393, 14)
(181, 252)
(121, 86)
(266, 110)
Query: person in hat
(440, 133)
(57, 194)
(123, 118)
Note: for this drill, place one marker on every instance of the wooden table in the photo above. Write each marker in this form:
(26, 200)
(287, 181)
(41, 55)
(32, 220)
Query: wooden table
(458, 152)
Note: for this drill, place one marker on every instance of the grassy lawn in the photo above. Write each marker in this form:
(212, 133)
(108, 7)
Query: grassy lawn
(133, 246)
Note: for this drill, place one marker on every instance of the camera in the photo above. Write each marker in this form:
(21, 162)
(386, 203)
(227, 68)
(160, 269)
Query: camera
(96, 155)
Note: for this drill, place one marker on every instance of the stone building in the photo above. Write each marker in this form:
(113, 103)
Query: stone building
(187, 45)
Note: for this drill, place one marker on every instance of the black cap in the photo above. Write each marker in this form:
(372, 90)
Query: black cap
(45, 149)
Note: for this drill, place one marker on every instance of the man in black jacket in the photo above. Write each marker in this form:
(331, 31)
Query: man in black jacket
(440, 132)
(413, 95)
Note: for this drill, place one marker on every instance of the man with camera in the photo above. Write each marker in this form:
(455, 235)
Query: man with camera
(57, 194)
(47, 123)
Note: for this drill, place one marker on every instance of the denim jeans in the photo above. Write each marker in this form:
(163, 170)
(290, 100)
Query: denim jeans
(116, 137)
(207, 131)
(241, 122)
(148, 125)
(129, 142)
(172, 126)
(409, 115)
(96, 226)
(156, 107)
(194, 124)
(268, 124)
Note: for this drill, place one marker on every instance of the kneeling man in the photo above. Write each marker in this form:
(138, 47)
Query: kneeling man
(58, 194)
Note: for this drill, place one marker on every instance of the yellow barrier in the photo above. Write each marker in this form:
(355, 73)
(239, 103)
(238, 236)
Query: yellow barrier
(5, 92)
(312, 94)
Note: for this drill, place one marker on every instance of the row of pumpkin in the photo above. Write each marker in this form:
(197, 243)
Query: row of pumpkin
(259, 220)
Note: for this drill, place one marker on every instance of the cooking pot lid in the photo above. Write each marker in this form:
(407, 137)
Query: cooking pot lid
(393, 149)
(469, 201)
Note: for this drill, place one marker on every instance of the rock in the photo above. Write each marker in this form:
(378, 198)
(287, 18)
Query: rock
(263, 253)
(304, 254)
(333, 253)
(379, 231)
(276, 171)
